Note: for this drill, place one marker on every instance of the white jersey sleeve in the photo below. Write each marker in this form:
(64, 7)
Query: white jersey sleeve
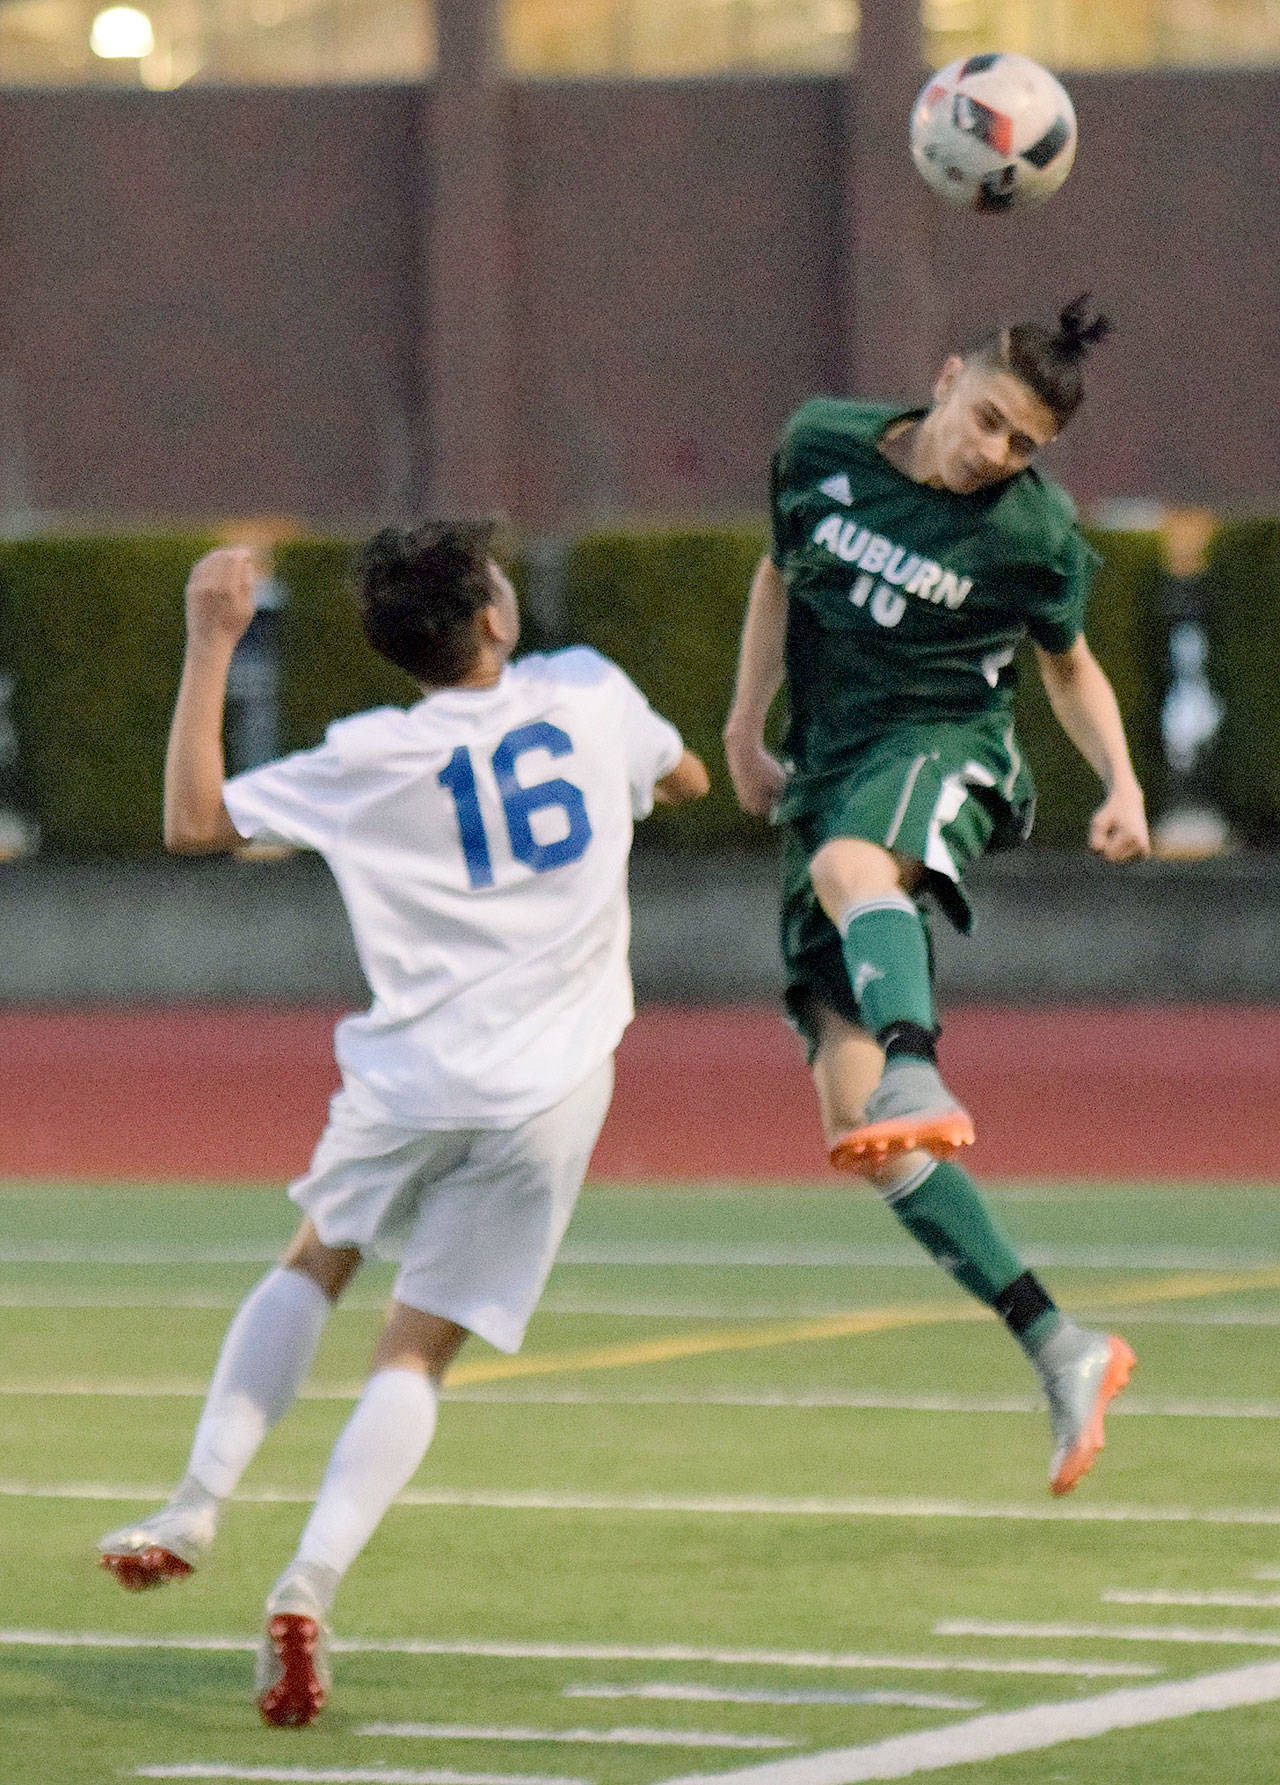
(303, 799)
(653, 745)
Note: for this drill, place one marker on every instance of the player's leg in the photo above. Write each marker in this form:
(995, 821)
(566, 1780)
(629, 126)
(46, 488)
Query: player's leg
(913, 809)
(942, 1208)
(936, 1201)
(263, 1362)
(481, 1246)
(865, 890)
(376, 1455)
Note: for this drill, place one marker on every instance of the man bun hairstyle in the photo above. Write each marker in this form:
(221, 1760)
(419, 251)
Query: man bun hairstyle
(419, 589)
(1049, 362)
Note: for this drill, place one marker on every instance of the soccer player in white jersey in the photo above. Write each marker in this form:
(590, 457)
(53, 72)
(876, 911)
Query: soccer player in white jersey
(480, 842)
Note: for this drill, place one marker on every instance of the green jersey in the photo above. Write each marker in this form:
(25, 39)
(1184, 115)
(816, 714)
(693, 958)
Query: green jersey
(907, 603)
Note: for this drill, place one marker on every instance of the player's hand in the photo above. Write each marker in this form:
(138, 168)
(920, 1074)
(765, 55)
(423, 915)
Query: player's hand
(758, 778)
(1118, 830)
(220, 595)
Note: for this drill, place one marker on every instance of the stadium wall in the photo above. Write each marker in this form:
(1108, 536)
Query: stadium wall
(215, 302)
(1051, 927)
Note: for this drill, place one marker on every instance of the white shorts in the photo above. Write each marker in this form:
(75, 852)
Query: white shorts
(475, 1215)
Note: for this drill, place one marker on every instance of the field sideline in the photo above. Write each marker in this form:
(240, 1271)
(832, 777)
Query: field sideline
(762, 1501)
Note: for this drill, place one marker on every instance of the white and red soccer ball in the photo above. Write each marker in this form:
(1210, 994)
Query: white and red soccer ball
(993, 132)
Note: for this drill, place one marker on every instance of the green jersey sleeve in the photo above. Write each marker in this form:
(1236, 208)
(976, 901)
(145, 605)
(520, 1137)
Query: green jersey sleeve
(1055, 618)
(787, 468)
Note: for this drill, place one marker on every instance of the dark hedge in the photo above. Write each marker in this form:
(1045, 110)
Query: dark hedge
(91, 633)
(1243, 625)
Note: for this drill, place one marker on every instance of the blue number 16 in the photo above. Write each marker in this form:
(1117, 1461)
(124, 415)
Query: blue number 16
(518, 803)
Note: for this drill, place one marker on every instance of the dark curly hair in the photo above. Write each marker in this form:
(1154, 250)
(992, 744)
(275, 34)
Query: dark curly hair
(419, 589)
(1049, 362)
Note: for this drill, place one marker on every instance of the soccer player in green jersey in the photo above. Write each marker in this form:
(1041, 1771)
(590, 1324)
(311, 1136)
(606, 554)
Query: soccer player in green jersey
(912, 553)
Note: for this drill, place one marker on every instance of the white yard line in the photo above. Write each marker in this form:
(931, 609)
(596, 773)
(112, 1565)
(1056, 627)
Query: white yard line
(139, 1255)
(677, 1692)
(1162, 1596)
(602, 1738)
(615, 1307)
(1011, 1732)
(1181, 1633)
(699, 1505)
(42, 1302)
(837, 1253)
(343, 1775)
(855, 1399)
(195, 1388)
(581, 1651)
(646, 1254)
(170, 1388)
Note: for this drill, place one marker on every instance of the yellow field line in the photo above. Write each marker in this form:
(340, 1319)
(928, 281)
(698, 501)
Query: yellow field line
(1190, 1285)
(701, 1344)
(892, 1317)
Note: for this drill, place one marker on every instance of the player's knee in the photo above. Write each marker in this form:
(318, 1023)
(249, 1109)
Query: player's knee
(415, 1340)
(331, 1267)
(849, 868)
(897, 1178)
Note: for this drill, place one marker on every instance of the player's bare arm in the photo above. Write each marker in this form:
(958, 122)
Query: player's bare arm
(758, 777)
(219, 607)
(1085, 706)
(687, 781)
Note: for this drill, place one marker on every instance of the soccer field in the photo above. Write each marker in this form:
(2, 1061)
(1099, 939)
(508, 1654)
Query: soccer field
(764, 1496)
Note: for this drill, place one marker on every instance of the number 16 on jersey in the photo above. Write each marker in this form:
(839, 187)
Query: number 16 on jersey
(519, 803)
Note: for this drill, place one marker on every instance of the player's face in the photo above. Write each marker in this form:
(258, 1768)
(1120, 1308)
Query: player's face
(985, 425)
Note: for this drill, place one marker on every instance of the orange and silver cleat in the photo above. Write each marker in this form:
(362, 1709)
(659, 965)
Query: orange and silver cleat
(941, 1134)
(1079, 1390)
(909, 1108)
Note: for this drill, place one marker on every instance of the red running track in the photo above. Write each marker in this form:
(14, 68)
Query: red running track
(238, 1095)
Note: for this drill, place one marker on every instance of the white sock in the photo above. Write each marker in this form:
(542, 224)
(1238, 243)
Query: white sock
(264, 1359)
(376, 1454)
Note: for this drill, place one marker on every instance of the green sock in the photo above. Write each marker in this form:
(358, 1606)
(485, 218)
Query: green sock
(946, 1214)
(887, 958)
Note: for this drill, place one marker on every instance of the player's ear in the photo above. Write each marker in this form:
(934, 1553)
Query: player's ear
(948, 377)
(499, 623)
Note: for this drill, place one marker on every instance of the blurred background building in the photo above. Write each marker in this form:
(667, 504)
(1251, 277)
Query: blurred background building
(337, 259)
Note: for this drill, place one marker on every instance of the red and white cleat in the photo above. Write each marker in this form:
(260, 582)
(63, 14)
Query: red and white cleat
(292, 1672)
(167, 1545)
(138, 1569)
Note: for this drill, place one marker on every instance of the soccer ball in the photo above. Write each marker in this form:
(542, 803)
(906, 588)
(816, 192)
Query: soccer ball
(993, 132)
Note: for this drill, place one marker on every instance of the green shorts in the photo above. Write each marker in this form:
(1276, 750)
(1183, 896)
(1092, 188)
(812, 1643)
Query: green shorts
(942, 795)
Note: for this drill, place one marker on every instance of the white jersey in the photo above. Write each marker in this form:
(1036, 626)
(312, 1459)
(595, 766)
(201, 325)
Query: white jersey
(480, 842)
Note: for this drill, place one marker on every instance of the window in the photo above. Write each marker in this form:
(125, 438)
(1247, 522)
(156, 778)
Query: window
(1113, 34)
(670, 37)
(166, 43)
(674, 37)
(51, 42)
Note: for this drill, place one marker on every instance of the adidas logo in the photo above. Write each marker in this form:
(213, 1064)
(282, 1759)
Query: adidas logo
(863, 978)
(838, 488)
